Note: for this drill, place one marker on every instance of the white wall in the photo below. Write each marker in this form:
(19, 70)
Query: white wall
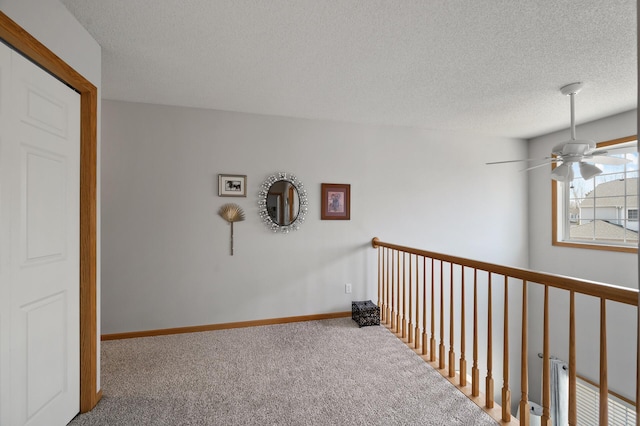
(52, 24)
(597, 265)
(166, 259)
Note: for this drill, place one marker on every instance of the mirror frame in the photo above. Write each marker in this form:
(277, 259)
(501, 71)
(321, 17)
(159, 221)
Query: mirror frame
(262, 202)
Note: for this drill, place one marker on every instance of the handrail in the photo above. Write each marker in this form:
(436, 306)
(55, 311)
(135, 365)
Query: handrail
(402, 309)
(591, 288)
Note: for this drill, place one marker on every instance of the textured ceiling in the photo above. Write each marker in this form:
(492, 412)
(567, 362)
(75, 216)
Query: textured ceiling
(488, 66)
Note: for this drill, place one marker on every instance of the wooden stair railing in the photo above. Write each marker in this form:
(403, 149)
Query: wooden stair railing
(407, 315)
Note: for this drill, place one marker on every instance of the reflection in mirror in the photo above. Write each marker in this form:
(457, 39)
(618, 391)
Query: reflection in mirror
(283, 202)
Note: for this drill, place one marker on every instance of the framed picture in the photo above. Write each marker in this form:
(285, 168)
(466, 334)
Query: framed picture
(336, 201)
(232, 185)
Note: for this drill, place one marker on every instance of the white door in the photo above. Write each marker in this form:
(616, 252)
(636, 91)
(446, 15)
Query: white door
(39, 248)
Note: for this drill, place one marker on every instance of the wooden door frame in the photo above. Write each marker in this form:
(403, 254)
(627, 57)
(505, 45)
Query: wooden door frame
(25, 43)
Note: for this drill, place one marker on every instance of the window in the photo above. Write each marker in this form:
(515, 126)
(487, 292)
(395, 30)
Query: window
(621, 412)
(602, 212)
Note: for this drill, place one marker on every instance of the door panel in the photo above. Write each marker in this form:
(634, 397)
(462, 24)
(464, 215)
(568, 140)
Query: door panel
(40, 158)
(43, 112)
(43, 195)
(45, 320)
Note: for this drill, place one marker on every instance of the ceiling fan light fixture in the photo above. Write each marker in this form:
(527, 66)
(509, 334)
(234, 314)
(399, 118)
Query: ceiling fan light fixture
(561, 173)
(587, 171)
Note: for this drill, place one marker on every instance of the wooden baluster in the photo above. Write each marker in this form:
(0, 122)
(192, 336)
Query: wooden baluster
(524, 373)
(398, 295)
(379, 277)
(390, 288)
(424, 306)
(506, 392)
(489, 378)
(393, 292)
(475, 371)
(398, 298)
(433, 313)
(463, 361)
(573, 408)
(385, 267)
(452, 357)
(385, 286)
(403, 312)
(409, 322)
(383, 290)
(604, 386)
(385, 276)
(441, 347)
(416, 328)
(546, 376)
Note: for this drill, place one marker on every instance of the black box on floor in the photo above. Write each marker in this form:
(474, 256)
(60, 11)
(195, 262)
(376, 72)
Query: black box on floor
(365, 313)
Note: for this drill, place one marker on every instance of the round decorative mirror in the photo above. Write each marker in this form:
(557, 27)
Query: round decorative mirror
(283, 202)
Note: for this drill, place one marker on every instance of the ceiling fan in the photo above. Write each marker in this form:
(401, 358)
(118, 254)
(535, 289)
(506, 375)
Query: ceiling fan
(581, 151)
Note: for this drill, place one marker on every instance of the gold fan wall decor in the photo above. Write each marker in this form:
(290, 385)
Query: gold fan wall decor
(231, 213)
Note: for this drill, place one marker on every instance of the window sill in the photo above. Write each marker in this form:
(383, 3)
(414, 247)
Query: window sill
(604, 247)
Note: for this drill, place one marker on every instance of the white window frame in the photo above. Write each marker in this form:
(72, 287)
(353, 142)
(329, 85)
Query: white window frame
(561, 216)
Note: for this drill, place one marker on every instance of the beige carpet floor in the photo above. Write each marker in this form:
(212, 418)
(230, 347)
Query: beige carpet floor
(309, 373)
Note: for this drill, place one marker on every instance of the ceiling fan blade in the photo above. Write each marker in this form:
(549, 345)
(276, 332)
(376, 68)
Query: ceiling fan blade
(516, 161)
(603, 159)
(606, 150)
(537, 166)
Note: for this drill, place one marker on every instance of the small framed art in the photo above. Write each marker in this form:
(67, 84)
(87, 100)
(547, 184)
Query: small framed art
(336, 201)
(232, 185)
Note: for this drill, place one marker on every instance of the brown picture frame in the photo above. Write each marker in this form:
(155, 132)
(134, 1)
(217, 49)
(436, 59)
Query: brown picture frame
(336, 201)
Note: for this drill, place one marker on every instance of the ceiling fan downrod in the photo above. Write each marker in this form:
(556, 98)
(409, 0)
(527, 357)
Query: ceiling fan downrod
(571, 90)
